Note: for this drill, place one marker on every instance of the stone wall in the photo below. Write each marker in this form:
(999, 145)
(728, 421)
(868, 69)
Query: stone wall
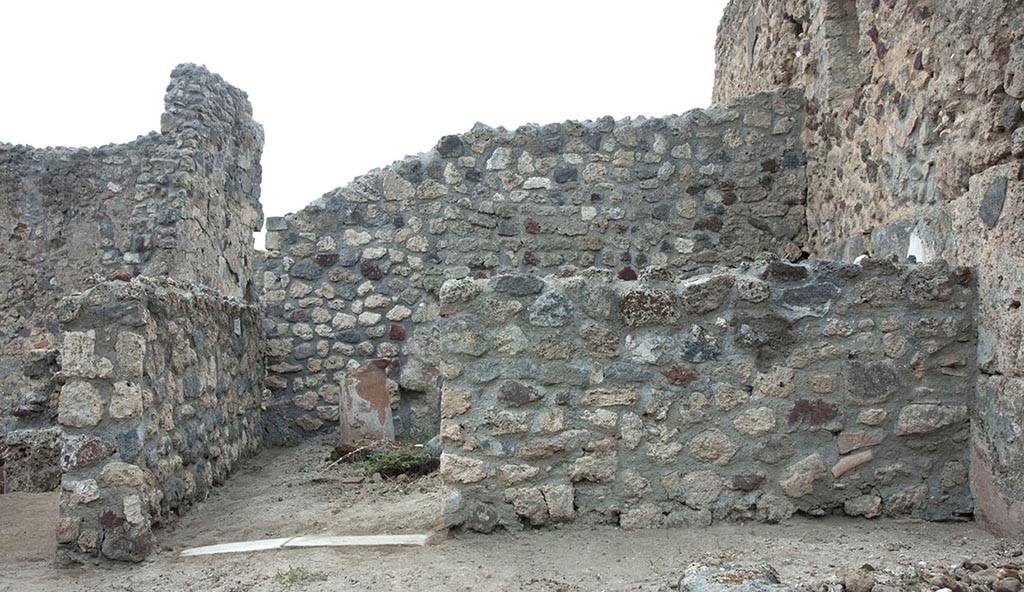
(182, 203)
(906, 99)
(916, 154)
(988, 223)
(351, 276)
(746, 393)
(162, 393)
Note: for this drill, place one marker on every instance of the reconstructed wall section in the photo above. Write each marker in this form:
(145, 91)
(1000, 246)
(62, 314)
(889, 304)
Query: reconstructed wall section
(915, 131)
(351, 276)
(182, 203)
(163, 385)
(747, 393)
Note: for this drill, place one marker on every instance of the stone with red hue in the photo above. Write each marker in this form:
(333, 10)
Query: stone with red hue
(680, 376)
(326, 259)
(83, 451)
(851, 462)
(850, 441)
(397, 333)
(366, 407)
(814, 413)
(111, 520)
(371, 271)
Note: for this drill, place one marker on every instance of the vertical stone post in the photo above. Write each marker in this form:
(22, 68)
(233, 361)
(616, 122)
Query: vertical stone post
(366, 407)
(105, 496)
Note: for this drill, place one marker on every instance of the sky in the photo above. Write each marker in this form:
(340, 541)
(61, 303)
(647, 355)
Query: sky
(345, 87)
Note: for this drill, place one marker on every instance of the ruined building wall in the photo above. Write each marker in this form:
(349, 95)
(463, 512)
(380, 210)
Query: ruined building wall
(988, 224)
(915, 132)
(743, 394)
(906, 100)
(163, 385)
(356, 274)
(182, 203)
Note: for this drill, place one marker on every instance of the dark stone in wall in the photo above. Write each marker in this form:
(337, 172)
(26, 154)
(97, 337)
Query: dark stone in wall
(992, 202)
(517, 285)
(872, 382)
(813, 298)
(450, 146)
(306, 270)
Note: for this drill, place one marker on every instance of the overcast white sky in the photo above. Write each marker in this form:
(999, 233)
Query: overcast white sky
(345, 87)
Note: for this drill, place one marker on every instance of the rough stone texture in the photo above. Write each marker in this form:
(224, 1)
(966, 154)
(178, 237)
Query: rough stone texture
(765, 423)
(169, 418)
(677, 394)
(358, 273)
(906, 99)
(994, 253)
(913, 139)
(181, 203)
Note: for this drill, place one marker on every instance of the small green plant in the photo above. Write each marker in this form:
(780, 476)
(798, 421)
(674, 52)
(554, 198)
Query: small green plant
(394, 461)
(299, 575)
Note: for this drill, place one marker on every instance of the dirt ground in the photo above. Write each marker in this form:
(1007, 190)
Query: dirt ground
(287, 492)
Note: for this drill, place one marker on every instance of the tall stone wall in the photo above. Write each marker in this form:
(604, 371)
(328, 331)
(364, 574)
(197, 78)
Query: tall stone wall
(906, 100)
(355, 275)
(748, 393)
(988, 222)
(181, 203)
(162, 394)
(915, 132)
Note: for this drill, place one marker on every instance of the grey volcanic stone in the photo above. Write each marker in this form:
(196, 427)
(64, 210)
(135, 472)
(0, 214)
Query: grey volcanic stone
(517, 285)
(813, 299)
(516, 394)
(992, 202)
(697, 345)
(307, 269)
(551, 309)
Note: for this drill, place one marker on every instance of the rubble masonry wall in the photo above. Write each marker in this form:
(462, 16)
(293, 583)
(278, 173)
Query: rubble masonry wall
(162, 394)
(182, 203)
(744, 393)
(915, 133)
(355, 275)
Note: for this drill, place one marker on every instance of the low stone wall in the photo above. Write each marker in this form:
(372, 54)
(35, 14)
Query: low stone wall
(354, 274)
(162, 392)
(744, 394)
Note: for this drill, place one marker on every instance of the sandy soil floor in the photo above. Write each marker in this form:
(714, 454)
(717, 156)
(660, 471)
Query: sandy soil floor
(286, 492)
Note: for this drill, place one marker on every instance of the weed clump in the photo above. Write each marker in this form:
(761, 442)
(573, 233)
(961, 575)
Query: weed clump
(399, 460)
